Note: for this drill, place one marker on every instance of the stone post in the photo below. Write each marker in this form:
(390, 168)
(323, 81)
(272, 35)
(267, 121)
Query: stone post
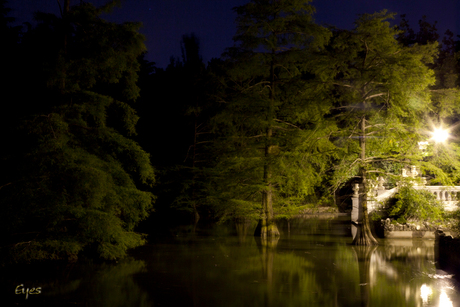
(380, 186)
(356, 211)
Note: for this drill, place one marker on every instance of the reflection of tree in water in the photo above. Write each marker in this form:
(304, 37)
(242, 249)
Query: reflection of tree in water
(298, 277)
(382, 275)
(322, 273)
(79, 284)
(100, 285)
(363, 255)
(395, 274)
(243, 228)
(267, 248)
(324, 225)
(307, 225)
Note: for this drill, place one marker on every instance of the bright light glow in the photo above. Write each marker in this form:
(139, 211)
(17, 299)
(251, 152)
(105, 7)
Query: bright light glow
(425, 292)
(444, 300)
(440, 135)
(422, 145)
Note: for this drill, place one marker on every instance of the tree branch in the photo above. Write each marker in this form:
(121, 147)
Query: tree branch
(373, 96)
(280, 121)
(5, 185)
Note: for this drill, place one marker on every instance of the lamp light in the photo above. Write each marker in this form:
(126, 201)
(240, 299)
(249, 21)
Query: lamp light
(440, 135)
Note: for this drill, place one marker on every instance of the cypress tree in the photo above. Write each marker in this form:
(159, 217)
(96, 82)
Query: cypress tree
(77, 183)
(271, 155)
(379, 91)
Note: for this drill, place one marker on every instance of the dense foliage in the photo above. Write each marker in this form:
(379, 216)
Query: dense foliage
(290, 114)
(72, 179)
(271, 151)
(379, 92)
(410, 204)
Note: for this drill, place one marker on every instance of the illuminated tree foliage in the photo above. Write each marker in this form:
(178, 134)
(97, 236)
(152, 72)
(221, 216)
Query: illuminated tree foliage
(73, 181)
(271, 154)
(441, 163)
(378, 88)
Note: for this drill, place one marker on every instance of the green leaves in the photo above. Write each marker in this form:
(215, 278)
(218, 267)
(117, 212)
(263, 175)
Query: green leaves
(273, 141)
(371, 77)
(82, 184)
(277, 25)
(410, 204)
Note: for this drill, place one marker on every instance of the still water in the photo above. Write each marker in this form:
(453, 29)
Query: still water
(312, 264)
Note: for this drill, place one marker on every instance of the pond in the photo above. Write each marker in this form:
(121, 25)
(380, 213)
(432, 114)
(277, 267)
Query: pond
(312, 264)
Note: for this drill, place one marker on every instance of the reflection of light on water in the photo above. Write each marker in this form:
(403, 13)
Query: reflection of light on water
(444, 300)
(425, 293)
(378, 264)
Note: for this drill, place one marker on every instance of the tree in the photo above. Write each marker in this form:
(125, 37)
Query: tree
(440, 163)
(271, 154)
(195, 107)
(10, 35)
(181, 163)
(379, 93)
(77, 183)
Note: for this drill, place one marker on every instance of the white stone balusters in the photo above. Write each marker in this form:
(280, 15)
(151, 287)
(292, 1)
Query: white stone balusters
(413, 171)
(404, 172)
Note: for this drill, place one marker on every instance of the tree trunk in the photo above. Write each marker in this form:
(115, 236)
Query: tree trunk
(267, 249)
(64, 14)
(195, 211)
(267, 227)
(364, 234)
(267, 223)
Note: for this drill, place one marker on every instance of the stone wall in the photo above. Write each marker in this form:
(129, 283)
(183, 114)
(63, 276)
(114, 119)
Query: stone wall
(425, 230)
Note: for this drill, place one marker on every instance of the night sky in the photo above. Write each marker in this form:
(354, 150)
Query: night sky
(213, 21)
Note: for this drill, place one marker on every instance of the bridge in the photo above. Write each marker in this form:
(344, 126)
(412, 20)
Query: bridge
(449, 196)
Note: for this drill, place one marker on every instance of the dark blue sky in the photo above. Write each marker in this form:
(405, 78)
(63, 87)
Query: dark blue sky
(165, 21)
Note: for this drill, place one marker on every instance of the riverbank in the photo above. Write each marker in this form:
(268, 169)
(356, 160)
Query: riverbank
(322, 210)
(388, 228)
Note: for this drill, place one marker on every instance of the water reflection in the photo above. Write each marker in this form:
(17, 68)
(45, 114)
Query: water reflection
(243, 227)
(425, 293)
(444, 300)
(78, 285)
(314, 265)
(363, 257)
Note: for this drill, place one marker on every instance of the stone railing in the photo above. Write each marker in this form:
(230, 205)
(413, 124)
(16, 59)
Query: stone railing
(448, 195)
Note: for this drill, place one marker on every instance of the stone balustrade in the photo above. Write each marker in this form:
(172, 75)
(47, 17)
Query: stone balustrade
(448, 195)
(443, 193)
